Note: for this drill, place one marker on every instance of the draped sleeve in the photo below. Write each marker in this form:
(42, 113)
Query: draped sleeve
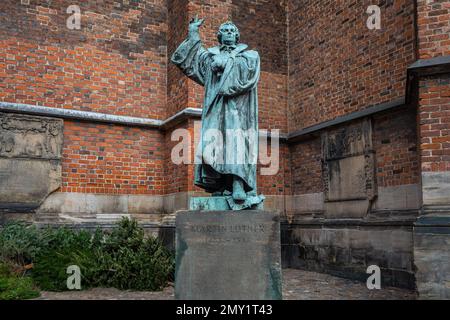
(244, 76)
(193, 59)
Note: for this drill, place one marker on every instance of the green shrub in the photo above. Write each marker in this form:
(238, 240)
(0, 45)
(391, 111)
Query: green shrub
(64, 248)
(128, 260)
(4, 270)
(146, 267)
(123, 259)
(13, 287)
(20, 243)
(127, 234)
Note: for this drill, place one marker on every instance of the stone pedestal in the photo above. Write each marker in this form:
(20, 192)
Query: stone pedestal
(228, 255)
(432, 237)
(432, 256)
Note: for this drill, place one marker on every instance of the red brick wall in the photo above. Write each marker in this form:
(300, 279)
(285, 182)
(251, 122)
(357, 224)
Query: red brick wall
(272, 99)
(337, 65)
(177, 90)
(434, 107)
(396, 147)
(115, 64)
(112, 159)
(434, 92)
(263, 26)
(180, 178)
(433, 28)
(279, 183)
(176, 177)
(306, 167)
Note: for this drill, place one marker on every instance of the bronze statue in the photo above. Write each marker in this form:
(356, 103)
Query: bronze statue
(229, 138)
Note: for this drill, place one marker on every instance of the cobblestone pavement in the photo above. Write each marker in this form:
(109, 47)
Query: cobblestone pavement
(305, 285)
(297, 285)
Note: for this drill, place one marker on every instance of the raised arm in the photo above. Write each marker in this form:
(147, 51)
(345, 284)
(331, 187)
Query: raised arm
(190, 56)
(194, 27)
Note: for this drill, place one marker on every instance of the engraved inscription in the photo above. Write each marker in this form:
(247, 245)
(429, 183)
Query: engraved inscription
(227, 234)
(228, 229)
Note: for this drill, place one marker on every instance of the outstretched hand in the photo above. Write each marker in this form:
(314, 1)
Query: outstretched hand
(195, 23)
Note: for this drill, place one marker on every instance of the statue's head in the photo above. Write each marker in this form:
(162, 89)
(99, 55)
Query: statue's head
(228, 34)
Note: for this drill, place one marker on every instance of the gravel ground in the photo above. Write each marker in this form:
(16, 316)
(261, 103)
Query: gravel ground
(297, 285)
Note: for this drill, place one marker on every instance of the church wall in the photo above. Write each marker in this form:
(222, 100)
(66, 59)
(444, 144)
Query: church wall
(114, 64)
(318, 237)
(338, 67)
(177, 90)
(117, 64)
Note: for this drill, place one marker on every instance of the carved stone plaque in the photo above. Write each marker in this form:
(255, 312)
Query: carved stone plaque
(30, 160)
(348, 168)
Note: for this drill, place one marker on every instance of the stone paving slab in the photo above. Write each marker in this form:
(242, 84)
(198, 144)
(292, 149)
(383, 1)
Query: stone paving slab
(297, 285)
(305, 285)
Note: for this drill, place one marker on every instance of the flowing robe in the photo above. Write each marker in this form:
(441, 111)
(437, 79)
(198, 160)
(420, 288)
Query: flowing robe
(230, 109)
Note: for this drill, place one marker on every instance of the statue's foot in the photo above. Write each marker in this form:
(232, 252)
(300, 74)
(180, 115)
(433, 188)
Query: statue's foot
(239, 196)
(238, 190)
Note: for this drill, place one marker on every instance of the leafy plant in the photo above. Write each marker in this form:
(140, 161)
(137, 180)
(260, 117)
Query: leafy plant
(14, 287)
(128, 260)
(19, 244)
(50, 270)
(123, 258)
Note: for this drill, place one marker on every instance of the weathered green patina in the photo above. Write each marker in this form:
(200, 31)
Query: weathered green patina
(226, 157)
